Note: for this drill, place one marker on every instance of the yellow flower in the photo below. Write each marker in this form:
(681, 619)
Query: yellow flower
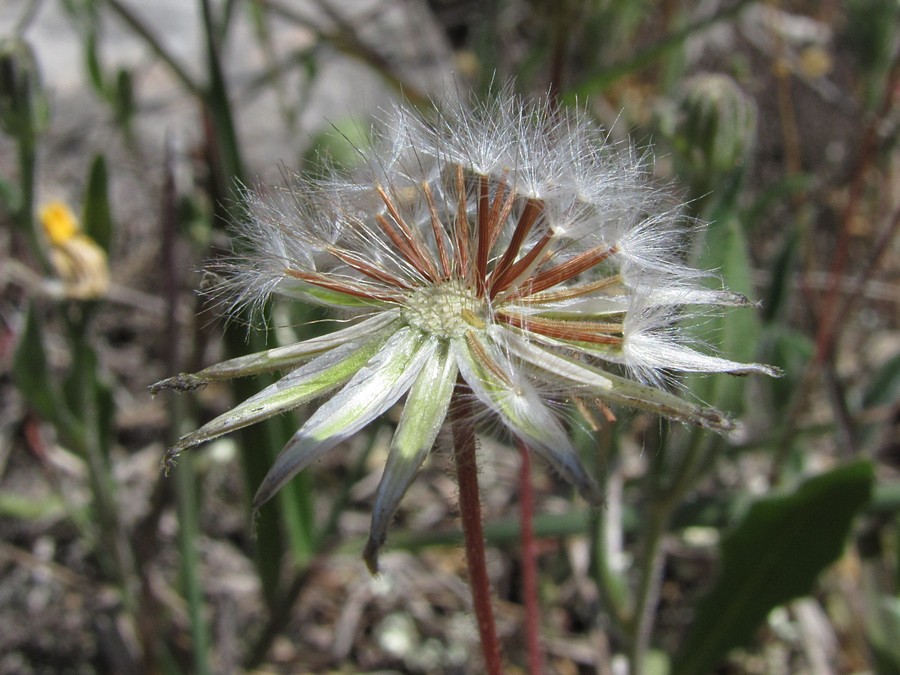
(76, 258)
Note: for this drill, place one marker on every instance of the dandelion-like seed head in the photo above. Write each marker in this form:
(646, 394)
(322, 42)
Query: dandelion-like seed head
(509, 247)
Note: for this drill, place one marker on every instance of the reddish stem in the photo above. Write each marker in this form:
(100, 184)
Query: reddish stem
(470, 511)
(829, 323)
(529, 563)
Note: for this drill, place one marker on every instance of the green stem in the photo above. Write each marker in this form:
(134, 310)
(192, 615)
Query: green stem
(698, 448)
(83, 432)
(293, 507)
(185, 485)
(27, 156)
(647, 593)
(611, 584)
(219, 105)
(188, 534)
(470, 512)
(664, 501)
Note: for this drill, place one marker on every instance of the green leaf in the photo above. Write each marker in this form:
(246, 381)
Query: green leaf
(258, 446)
(736, 336)
(92, 63)
(47, 508)
(97, 217)
(882, 635)
(124, 97)
(870, 35)
(886, 661)
(89, 397)
(774, 555)
(790, 350)
(10, 197)
(664, 48)
(780, 288)
(30, 371)
(885, 384)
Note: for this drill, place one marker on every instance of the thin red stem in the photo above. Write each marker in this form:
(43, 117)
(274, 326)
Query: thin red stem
(828, 323)
(529, 564)
(470, 511)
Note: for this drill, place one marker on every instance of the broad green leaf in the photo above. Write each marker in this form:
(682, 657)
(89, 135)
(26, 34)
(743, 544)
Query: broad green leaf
(774, 555)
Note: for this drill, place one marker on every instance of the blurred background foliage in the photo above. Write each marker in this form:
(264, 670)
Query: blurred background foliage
(774, 551)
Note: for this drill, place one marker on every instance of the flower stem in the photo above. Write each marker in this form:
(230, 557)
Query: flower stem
(529, 563)
(647, 594)
(470, 511)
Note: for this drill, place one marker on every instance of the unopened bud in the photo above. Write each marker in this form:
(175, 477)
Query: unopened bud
(716, 130)
(19, 81)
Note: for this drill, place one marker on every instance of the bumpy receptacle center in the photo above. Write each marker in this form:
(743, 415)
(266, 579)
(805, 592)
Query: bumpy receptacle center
(446, 310)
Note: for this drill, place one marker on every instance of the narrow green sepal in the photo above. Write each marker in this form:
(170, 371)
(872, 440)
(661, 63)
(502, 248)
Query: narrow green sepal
(423, 415)
(279, 358)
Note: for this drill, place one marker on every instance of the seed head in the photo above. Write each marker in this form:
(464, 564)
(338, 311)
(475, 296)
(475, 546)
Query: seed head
(508, 245)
